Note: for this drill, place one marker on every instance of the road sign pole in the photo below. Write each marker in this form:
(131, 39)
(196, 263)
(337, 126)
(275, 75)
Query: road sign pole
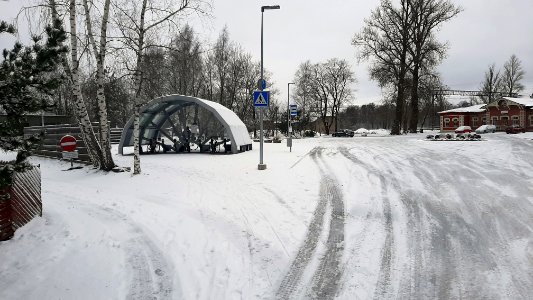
(261, 165)
(289, 138)
(261, 100)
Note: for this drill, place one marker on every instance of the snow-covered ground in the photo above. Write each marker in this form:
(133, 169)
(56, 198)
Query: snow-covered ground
(351, 218)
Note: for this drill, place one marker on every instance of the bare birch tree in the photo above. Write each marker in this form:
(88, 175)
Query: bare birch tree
(137, 21)
(100, 54)
(73, 73)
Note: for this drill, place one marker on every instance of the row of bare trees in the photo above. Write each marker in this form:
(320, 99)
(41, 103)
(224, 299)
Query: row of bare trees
(224, 73)
(401, 44)
(123, 54)
(133, 23)
(323, 89)
(381, 115)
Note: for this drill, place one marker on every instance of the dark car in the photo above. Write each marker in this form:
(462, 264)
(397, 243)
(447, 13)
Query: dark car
(515, 129)
(343, 132)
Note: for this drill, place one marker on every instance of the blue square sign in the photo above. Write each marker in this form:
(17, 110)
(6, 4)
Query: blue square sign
(293, 109)
(261, 98)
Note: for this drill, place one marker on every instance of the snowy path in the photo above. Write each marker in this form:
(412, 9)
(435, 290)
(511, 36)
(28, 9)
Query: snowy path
(338, 218)
(150, 270)
(326, 277)
(85, 240)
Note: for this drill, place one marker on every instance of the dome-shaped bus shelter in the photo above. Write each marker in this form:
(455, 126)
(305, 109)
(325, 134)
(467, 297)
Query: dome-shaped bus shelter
(156, 120)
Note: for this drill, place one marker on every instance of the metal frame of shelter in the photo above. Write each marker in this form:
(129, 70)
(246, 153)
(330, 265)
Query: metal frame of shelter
(155, 114)
(436, 93)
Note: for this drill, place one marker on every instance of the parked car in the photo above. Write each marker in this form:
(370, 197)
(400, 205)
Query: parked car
(463, 129)
(343, 132)
(486, 129)
(309, 133)
(361, 131)
(515, 129)
(349, 132)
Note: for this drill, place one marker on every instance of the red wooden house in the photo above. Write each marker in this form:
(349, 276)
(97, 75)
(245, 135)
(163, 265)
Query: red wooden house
(502, 113)
(463, 116)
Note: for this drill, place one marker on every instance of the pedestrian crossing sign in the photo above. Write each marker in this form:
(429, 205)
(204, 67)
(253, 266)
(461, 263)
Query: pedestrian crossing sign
(261, 98)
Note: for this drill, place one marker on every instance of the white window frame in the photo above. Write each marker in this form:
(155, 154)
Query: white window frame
(446, 122)
(504, 118)
(515, 120)
(494, 120)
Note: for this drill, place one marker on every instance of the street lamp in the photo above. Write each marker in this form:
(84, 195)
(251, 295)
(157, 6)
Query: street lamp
(289, 139)
(261, 165)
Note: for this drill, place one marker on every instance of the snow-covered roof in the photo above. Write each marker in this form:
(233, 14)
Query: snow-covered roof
(156, 113)
(527, 102)
(470, 109)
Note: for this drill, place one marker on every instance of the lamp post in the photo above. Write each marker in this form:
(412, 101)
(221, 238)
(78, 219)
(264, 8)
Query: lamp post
(261, 165)
(289, 138)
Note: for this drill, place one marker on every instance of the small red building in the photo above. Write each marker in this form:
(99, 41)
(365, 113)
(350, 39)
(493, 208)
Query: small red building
(502, 113)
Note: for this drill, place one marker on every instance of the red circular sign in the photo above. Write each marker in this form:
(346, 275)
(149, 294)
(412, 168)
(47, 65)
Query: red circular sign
(68, 143)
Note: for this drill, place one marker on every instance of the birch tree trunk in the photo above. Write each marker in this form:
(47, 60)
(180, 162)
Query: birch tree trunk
(136, 144)
(100, 52)
(138, 88)
(87, 132)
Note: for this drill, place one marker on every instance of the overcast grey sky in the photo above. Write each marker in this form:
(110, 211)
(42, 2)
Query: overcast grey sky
(486, 32)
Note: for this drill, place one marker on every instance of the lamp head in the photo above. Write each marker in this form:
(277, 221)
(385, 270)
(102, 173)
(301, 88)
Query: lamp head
(263, 8)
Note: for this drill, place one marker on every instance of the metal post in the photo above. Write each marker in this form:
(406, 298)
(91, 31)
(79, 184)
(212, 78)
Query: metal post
(289, 118)
(261, 165)
(289, 134)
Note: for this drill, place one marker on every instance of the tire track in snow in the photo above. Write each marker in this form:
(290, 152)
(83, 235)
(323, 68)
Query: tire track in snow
(459, 256)
(434, 253)
(420, 282)
(387, 251)
(151, 278)
(457, 243)
(151, 271)
(291, 281)
(280, 200)
(326, 278)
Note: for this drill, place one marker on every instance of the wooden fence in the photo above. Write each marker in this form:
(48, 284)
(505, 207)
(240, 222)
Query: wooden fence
(53, 134)
(23, 204)
(115, 135)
